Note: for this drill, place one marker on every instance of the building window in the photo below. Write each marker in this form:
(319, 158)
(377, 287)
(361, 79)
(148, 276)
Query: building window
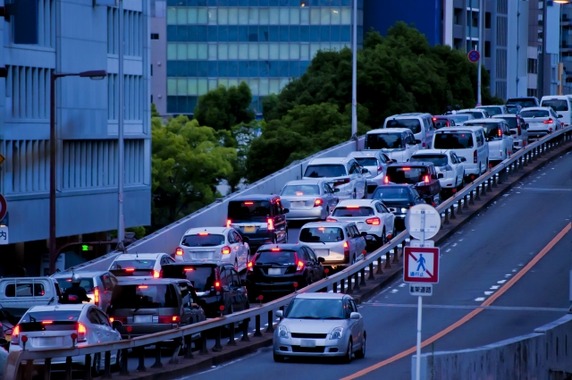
(487, 49)
(458, 16)
(154, 36)
(488, 20)
(532, 66)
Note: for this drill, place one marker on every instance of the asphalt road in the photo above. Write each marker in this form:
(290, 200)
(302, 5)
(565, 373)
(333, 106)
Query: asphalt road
(509, 256)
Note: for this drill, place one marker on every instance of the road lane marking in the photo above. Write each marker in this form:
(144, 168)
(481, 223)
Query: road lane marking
(470, 315)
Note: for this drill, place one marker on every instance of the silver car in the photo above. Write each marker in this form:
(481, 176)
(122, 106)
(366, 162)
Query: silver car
(320, 324)
(309, 199)
(339, 243)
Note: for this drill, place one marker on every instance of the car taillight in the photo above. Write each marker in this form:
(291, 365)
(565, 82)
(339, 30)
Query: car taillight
(156, 274)
(250, 265)
(81, 334)
(318, 202)
(341, 181)
(386, 179)
(179, 251)
(499, 132)
(228, 223)
(129, 269)
(225, 250)
(15, 338)
(346, 250)
(475, 158)
(270, 224)
(299, 266)
(373, 221)
(169, 319)
(96, 295)
(120, 319)
(330, 219)
(548, 121)
(426, 178)
(217, 285)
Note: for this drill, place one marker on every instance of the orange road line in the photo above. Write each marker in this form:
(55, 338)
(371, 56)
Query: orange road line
(503, 289)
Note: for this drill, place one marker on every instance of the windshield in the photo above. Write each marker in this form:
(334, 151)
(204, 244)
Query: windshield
(248, 210)
(413, 124)
(301, 308)
(437, 159)
(320, 171)
(52, 315)
(534, 113)
(86, 283)
(367, 161)
(523, 102)
(384, 141)
(321, 234)
(457, 140)
(511, 121)
(276, 257)
(300, 190)
(391, 193)
(203, 240)
(353, 211)
(406, 174)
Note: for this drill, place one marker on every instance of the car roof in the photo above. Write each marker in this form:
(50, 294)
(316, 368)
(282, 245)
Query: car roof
(148, 256)
(323, 296)
(409, 163)
(308, 181)
(211, 229)
(357, 202)
(197, 263)
(255, 197)
(536, 108)
(459, 128)
(407, 115)
(330, 160)
(389, 130)
(503, 115)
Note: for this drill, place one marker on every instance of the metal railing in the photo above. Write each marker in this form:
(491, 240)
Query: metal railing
(348, 280)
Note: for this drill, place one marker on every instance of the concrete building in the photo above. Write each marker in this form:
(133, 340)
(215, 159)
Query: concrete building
(261, 42)
(43, 37)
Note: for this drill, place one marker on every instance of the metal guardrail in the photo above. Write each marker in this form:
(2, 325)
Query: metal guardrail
(348, 280)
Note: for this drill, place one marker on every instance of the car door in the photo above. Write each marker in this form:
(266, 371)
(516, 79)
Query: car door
(387, 216)
(357, 242)
(241, 248)
(317, 269)
(459, 167)
(354, 325)
(357, 178)
(329, 194)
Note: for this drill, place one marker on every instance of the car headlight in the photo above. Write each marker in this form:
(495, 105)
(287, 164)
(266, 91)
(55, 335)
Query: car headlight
(283, 332)
(337, 333)
(404, 210)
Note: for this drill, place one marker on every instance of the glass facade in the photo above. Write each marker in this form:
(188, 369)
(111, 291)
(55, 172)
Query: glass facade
(261, 42)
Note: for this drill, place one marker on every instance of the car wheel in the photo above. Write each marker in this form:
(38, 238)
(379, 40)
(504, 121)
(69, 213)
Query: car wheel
(349, 352)
(278, 358)
(360, 354)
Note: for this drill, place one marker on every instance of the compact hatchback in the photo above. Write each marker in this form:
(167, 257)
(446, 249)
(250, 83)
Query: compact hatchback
(57, 326)
(259, 217)
(223, 244)
(139, 264)
(340, 244)
(97, 284)
(320, 325)
(399, 199)
(280, 269)
(219, 287)
(371, 216)
(343, 173)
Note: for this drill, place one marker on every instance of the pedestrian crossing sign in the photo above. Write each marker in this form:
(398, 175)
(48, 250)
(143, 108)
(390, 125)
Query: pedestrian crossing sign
(421, 264)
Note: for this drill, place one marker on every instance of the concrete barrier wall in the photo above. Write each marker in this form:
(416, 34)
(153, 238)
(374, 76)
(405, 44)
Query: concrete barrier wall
(544, 354)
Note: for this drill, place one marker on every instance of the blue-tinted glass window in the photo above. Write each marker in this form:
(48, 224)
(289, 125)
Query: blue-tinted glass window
(263, 33)
(294, 33)
(192, 68)
(232, 34)
(314, 34)
(284, 33)
(335, 33)
(263, 68)
(213, 69)
(273, 33)
(253, 33)
(243, 33)
(212, 33)
(223, 33)
(304, 33)
(345, 33)
(325, 33)
(232, 68)
(203, 68)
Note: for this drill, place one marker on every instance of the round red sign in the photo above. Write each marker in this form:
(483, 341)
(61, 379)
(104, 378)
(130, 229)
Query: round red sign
(473, 56)
(3, 207)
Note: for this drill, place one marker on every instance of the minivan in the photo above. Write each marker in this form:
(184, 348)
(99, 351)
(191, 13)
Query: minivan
(421, 124)
(561, 104)
(468, 142)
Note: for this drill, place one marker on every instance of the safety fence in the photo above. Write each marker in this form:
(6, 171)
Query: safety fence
(193, 337)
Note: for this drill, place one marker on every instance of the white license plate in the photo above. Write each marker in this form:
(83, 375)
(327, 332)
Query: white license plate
(322, 252)
(307, 343)
(47, 341)
(274, 271)
(297, 204)
(143, 319)
(249, 229)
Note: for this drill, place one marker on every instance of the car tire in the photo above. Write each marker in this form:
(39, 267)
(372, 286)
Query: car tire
(349, 352)
(360, 354)
(278, 358)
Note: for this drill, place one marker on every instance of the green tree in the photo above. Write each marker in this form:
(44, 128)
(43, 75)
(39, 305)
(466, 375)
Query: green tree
(188, 162)
(224, 107)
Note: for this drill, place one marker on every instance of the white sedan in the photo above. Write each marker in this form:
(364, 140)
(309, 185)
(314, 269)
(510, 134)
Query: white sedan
(220, 244)
(370, 216)
(449, 166)
(68, 325)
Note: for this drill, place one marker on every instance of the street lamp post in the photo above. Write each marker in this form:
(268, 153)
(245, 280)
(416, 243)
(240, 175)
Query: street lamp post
(354, 74)
(93, 74)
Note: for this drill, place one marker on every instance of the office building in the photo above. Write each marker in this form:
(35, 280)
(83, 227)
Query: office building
(43, 37)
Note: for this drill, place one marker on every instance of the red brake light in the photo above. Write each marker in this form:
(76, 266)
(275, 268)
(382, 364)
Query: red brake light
(352, 207)
(96, 295)
(475, 159)
(203, 233)
(179, 251)
(47, 322)
(250, 265)
(156, 274)
(169, 319)
(406, 169)
(275, 249)
(248, 203)
(341, 181)
(386, 179)
(426, 178)
(129, 269)
(318, 202)
(548, 121)
(189, 269)
(142, 287)
(499, 132)
(15, 338)
(217, 285)
(225, 250)
(373, 221)
(270, 224)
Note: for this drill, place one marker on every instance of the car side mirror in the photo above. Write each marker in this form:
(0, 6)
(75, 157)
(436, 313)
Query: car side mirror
(417, 141)
(560, 116)
(321, 260)
(364, 234)
(463, 159)
(355, 315)
(440, 175)
(364, 171)
(279, 313)
(336, 190)
(117, 325)
(285, 210)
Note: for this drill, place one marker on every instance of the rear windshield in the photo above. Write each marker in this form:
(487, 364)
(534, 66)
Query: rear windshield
(366, 161)
(412, 124)
(437, 159)
(524, 102)
(86, 283)
(202, 277)
(353, 211)
(457, 140)
(203, 240)
(132, 267)
(534, 113)
(248, 210)
(511, 121)
(319, 171)
(391, 193)
(383, 141)
(491, 130)
(406, 174)
(280, 257)
(300, 190)
(52, 315)
(144, 296)
(460, 117)
(321, 234)
(556, 104)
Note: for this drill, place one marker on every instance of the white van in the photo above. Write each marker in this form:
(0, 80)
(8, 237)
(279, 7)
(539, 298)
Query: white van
(468, 142)
(421, 124)
(562, 105)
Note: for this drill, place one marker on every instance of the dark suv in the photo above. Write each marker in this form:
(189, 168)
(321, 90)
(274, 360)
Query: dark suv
(259, 217)
(218, 285)
(422, 175)
(150, 305)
